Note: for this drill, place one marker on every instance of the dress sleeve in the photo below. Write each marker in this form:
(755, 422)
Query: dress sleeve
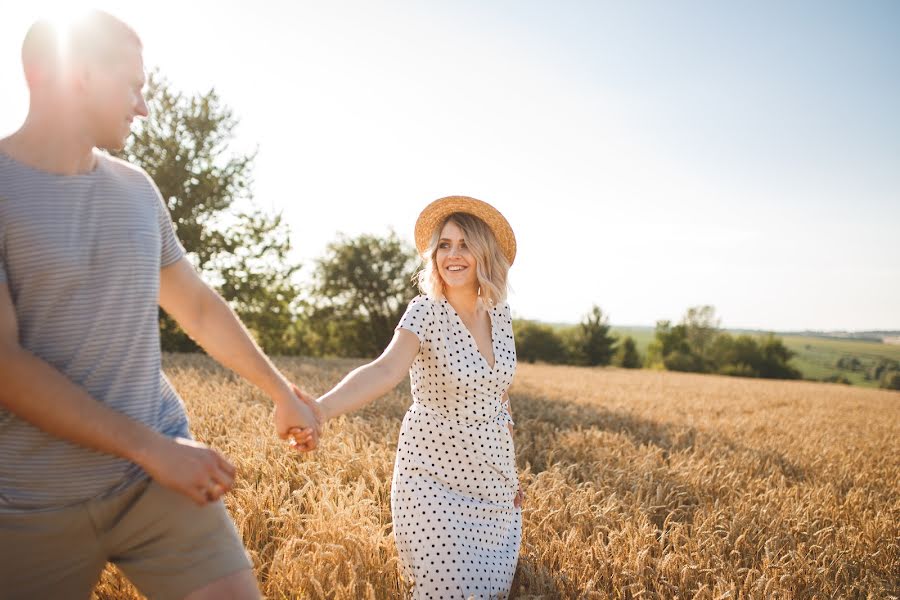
(417, 317)
(506, 318)
(505, 415)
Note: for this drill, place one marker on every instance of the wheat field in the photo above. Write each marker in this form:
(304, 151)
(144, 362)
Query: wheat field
(640, 484)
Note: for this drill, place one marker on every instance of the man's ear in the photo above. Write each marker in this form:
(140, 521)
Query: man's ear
(80, 76)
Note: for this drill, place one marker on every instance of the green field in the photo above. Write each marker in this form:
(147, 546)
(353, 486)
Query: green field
(642, 336)
(816, 357)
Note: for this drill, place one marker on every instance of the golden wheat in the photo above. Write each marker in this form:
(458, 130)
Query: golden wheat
(639, 484)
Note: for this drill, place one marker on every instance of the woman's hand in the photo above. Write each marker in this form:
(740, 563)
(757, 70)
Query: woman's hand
(520, 498)
(306, 440)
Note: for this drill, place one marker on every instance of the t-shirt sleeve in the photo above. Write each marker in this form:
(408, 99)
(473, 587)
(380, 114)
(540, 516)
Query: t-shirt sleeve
(171, 249)
(416, 317)
(2, 255)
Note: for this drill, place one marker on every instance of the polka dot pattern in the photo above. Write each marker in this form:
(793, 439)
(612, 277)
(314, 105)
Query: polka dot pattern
(454, 482)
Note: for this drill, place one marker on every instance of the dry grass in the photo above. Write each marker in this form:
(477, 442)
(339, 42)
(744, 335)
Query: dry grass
(640, 485)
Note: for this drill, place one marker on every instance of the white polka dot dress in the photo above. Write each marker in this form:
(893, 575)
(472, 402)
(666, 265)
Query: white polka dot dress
(456, 529)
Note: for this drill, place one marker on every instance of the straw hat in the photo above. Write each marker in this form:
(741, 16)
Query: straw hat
(436, 212)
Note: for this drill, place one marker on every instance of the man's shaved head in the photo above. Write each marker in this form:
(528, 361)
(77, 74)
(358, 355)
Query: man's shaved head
(94, 37)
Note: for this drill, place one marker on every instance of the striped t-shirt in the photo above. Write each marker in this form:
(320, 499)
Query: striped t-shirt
(81, 256)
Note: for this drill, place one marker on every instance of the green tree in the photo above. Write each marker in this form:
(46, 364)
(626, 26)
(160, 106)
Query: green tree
(850, 363)
(890, 379)
(257, 280)
(184, 147)
(775, 359)
(361, 288)
(627, 356)
(697, 344)
(538, 342)
(746, 356)
(878, 370)
(592, 343)
(669, 348)
(701, 328)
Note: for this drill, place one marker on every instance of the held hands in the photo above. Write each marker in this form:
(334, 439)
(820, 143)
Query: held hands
(306, 439)
(298, 412)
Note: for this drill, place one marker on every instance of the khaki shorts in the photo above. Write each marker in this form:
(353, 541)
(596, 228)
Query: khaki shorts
(163, 542)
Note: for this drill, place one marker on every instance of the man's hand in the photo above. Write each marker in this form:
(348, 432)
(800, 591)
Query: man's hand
(293, 412)
(305, 440)
(188, 467)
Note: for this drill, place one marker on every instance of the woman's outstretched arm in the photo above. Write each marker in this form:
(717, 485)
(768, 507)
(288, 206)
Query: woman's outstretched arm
(368, 382)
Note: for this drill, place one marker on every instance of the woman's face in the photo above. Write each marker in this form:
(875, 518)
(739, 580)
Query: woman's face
(456, 263)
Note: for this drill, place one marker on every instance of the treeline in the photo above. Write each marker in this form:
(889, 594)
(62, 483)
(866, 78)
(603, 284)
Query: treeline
(885, 372)
(589, 343)
(696, 344)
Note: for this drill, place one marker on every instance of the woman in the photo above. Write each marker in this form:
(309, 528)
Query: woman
(455, 498)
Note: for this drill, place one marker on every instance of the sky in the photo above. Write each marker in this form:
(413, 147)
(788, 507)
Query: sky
(651, 156)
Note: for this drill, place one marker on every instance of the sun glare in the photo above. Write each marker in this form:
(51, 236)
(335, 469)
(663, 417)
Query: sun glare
(61, 18)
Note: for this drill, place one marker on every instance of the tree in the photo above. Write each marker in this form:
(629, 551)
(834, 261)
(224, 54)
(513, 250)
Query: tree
(592, 344)
(879, 369)
(257, 279)
(887, 373)
(361, 288)
(890, 380)
(850, 363)
(670, 344)
(627, 355)
(183, 146)
(697, 345)
(538, 342)
(701, 327)
(775, 359)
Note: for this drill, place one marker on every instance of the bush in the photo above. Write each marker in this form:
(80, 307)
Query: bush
(697, 345)
(849, 363)
(738, 370)
(877, 371)
(538, 342)
(683, 361)
(890, 380)
(837, 378)
(627, 356)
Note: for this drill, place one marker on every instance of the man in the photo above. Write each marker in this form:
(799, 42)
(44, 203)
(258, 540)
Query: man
(96, 464)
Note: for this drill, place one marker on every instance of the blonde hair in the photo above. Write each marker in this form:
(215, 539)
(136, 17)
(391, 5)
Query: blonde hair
(492, 267)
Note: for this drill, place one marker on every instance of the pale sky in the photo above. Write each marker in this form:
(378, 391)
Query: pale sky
(650, 156)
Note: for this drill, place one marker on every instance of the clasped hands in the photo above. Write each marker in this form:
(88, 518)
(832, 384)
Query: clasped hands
(305, 439)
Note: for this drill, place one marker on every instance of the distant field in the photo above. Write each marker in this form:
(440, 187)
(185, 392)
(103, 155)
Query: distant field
(642, 336)
(640, 484)
(816, 356)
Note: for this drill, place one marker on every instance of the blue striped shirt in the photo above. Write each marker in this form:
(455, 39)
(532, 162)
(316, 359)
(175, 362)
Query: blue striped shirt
(81, 256)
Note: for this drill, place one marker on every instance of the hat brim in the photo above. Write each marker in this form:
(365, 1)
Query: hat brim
(437, 212)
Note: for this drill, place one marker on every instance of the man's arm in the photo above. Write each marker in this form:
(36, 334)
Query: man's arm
(210, 322)
(35, 391)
